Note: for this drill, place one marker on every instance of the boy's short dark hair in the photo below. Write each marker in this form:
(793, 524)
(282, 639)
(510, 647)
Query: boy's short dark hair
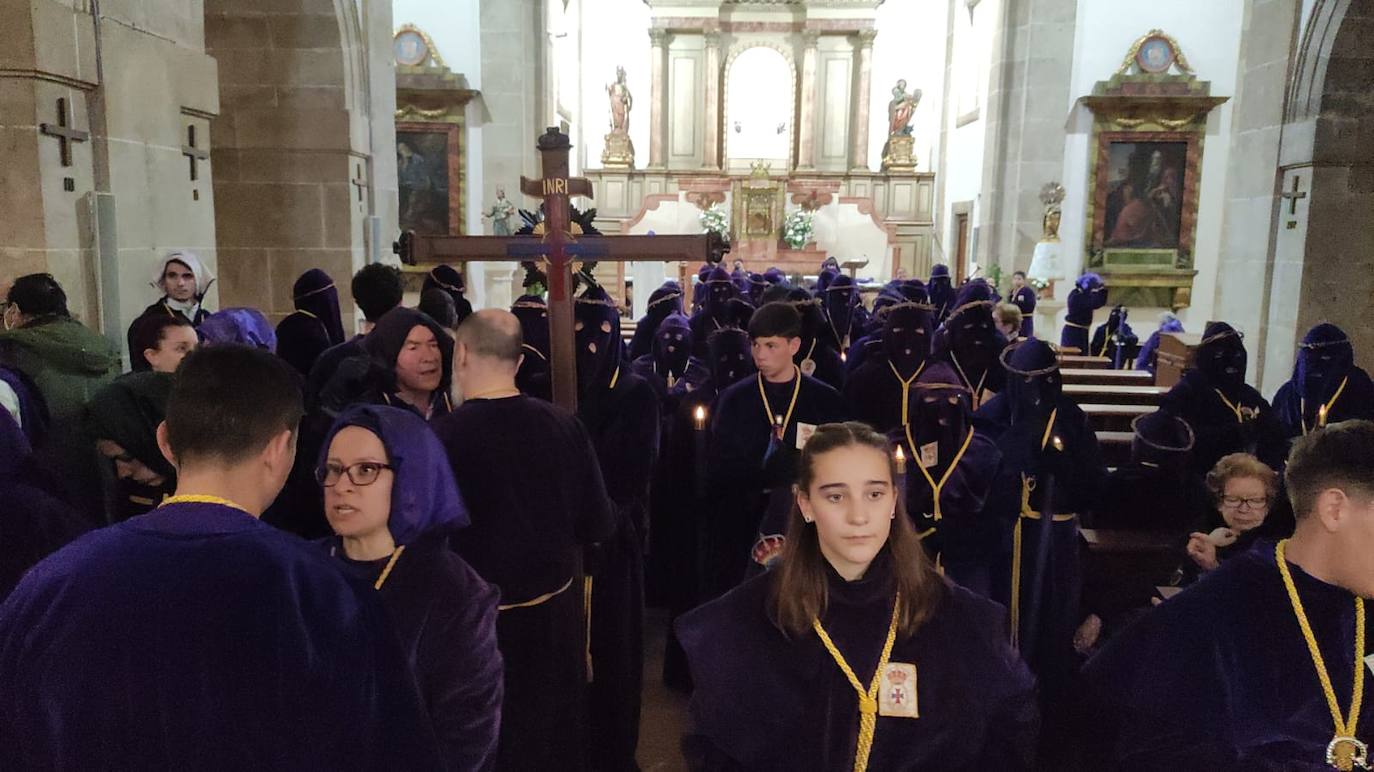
(150, 330)
(38, 294)
(228, 402)
(775, 320)
(377, 289)
(1334, 457)
(1022, 274)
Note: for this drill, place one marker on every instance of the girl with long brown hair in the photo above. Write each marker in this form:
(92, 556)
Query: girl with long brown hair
(853, 653)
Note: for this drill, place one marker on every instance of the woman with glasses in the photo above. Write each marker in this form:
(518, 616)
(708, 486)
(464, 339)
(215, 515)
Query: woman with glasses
(391, 500)
(1242, 489)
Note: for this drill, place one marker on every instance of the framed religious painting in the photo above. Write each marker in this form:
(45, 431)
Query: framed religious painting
(428, 165)
(1145, 174)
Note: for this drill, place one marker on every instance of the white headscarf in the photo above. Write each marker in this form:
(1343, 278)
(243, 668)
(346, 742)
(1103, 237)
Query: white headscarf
(203, 279)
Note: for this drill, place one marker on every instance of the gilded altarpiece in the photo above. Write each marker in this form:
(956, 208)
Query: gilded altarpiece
(1150, 120)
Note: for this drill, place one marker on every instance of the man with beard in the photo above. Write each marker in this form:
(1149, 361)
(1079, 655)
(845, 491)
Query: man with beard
(663, 302)
(1326, 386)
(622, 416)
(949, 471)
(1087, 295)
(844, 315)
(880, 390)
(1042, 434)
(969, 341)
(1227, 414)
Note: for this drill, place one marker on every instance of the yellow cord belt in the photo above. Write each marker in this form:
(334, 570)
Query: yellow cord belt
(975, 391)
(1323, 411)
(936, 487)
(1235, 408)
(1344, 751)
(868, 700)
(906, 388)
(1026, 514)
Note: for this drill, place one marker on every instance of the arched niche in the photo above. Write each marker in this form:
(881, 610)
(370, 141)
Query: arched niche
(760, 108)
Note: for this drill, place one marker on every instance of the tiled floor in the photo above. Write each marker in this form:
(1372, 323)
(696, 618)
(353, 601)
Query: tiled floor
(664, 714)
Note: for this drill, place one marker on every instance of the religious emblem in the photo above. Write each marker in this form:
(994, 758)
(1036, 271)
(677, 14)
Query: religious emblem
(898, 152)
(1347, 753)
(410, 47)
(808, 367)
(897, 691)
(500, 214)
(619, 152)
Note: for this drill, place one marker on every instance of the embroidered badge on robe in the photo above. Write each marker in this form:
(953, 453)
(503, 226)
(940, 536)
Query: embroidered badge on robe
(804, 432)
(897, 691)
(930, 454)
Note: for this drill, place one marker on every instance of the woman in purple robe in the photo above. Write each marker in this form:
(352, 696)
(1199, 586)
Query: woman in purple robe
(391, 500)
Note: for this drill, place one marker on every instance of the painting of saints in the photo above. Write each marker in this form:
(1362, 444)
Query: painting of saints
(422, 171)
(1145, 200)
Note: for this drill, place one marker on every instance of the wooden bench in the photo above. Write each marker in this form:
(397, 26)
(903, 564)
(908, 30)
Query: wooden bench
(1115, 395)
(1115, 447)
(1107, 377)
(1122, 568)
(1117, 418)
(1085, 363)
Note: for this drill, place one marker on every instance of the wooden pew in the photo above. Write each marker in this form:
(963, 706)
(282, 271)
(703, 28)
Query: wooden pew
(1076, 362)
(1114, 417)
(1115, 447)
(1121, 568)
(1107, 377)
(1115, 395)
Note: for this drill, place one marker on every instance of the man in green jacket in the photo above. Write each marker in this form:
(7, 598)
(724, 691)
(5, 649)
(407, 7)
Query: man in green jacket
(67, 362)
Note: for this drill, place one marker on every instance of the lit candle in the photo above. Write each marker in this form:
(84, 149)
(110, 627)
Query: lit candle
(844, 356)
(699, 418)
(1057, 443)
(901, 460)
(1321, 417)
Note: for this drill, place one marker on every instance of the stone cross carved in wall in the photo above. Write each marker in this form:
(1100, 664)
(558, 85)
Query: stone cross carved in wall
(63, 131)
(193, 153)
(1294, 196)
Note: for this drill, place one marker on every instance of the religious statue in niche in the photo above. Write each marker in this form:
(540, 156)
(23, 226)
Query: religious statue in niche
(1046, 261)
(619, 152)
(898, 152)
(500, 214)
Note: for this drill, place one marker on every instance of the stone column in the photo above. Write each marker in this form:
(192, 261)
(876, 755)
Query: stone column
(806, 124)
(858, 148)
(657, 95)
(711, 156)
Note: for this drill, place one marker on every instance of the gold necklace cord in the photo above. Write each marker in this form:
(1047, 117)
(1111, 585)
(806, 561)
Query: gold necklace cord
(868, 701)
(1234, 407)
(906, 387)
(1325, 409)
(201, 499)
(1343, 728)
(934, 486)
(390, 564)
(767, 408)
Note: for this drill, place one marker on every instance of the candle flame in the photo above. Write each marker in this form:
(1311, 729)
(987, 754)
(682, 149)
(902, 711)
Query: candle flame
(699, 417)
(701, 413)
(1321, 416)
(1057, 443)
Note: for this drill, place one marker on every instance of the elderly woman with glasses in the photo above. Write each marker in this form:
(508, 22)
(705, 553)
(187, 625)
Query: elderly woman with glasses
(1242, 489)
(391, 500)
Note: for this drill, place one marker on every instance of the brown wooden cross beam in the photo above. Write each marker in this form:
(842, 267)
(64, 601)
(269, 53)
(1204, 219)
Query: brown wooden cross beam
(64, 132)
(559, 248)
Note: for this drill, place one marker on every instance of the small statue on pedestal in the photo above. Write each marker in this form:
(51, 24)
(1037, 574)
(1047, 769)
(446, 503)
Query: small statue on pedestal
(898, 152)
(1046, 262)
(500, 213)
(619, 152)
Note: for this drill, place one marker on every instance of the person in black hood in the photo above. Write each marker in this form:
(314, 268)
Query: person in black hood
(1115, 340)
(534, 377)
(1227, 414)
(314, 326)
(417, 354)
(621, 415)
(448, 279)
(1326, 386)
(817, 358)
(969, 341)
(717, 312)
(122, 419)
(880, 390)
(663, 302)
(941, 291)
(845, 315)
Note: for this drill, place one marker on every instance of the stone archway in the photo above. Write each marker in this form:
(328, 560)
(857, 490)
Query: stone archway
(295, 145)
(1323, 243)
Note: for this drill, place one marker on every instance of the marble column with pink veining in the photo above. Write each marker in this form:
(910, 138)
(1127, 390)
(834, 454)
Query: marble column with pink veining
(806, 125)
(711, 155)
(858, 146)
(657, 96)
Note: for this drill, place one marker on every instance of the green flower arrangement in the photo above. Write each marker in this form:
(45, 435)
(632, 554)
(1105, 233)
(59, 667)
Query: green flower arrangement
(716, 220)
(798, 228)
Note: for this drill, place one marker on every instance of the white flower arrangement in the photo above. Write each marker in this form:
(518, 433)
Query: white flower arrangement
(798, 228)
(716, 220)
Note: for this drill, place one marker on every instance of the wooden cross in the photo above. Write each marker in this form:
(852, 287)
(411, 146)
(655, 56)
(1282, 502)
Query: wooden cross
(192, 152)
(559, 248)
(64, 132)
(1293, 196)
